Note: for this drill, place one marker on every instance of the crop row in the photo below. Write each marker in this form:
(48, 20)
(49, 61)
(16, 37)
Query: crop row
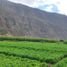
(59, 47)
(47, 56)
(62, 63)
(53, 53)
(11, 61)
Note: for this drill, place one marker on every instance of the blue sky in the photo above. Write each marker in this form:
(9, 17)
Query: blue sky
(57, 6)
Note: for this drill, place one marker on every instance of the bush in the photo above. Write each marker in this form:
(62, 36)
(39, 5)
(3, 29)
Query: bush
(61, 40)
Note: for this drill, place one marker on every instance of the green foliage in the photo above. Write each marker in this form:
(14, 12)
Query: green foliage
(61, 40)
(26, 39)
(27, 53)
(62, 63)
(11, 61)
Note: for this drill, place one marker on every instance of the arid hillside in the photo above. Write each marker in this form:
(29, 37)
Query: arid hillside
(20, 20)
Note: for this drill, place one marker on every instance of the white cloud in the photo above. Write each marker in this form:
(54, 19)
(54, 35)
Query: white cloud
(48, 9)
(61, 4)
(26, 2)
(63, 7)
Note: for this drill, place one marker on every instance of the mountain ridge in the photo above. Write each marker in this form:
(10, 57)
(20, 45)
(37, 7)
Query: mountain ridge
(21, 20)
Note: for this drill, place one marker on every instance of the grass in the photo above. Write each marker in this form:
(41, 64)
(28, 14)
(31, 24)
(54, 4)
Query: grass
(28, 53)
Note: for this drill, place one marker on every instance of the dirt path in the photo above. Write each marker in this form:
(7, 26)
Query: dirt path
(49, 65)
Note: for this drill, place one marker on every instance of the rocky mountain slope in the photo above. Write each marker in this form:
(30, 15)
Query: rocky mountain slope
(20, 20)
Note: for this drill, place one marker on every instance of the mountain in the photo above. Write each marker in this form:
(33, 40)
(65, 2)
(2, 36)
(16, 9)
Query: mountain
(21, 20)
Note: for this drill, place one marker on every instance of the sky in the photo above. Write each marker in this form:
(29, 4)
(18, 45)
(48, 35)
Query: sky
(56, 6)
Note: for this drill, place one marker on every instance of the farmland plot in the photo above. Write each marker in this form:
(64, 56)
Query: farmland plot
(33, 54)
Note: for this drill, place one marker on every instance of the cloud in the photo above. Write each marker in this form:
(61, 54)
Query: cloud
(49, 8)
(59, 6)
(63, 7)
(26, 2)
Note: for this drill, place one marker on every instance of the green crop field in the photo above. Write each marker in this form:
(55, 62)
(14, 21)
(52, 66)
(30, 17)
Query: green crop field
(32, 53)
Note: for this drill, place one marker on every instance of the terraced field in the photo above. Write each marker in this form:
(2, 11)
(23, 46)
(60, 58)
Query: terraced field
(32, 54)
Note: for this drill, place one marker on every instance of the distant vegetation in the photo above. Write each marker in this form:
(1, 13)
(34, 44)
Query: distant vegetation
(30, 52)
(11, 38)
